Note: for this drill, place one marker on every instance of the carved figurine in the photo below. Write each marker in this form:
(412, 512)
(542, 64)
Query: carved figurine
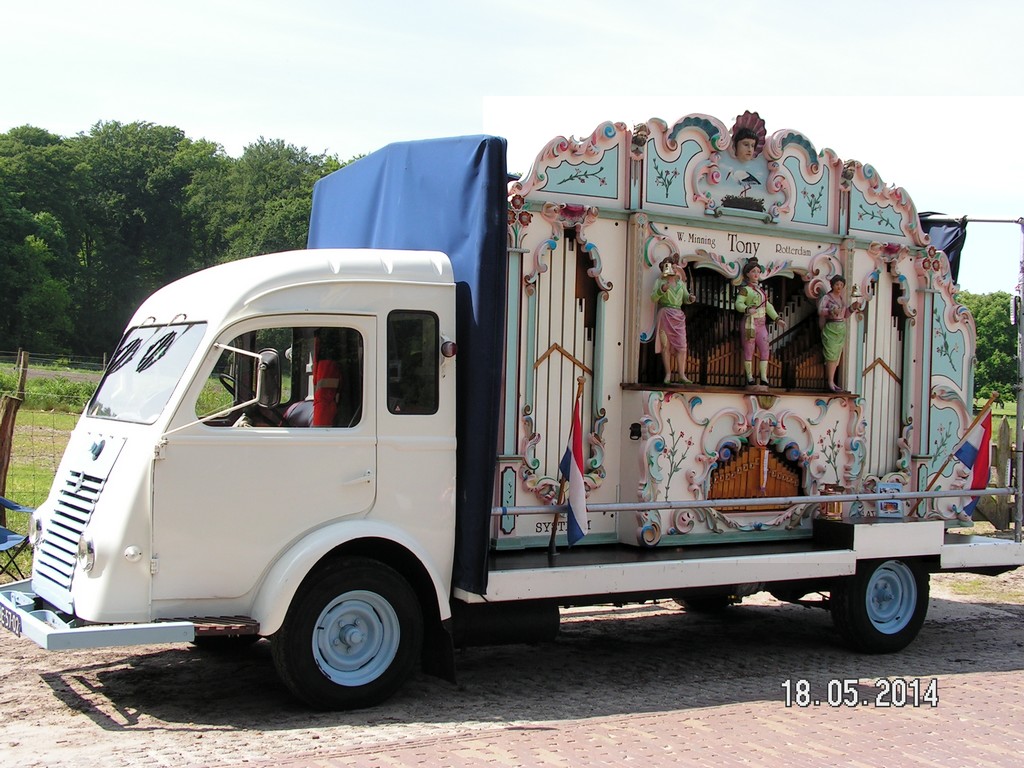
(745, 171)
(744, 146)
(752, 302)
(833, 313)
(670, 294)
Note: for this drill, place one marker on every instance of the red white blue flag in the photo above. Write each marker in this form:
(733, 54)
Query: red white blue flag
(571, 468)
(975, 454)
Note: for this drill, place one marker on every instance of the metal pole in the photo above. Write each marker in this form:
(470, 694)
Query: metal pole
(1018, 446)
(644, 506)
(994, 221)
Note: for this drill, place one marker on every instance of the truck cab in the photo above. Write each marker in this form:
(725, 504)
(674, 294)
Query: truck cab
(258, 420)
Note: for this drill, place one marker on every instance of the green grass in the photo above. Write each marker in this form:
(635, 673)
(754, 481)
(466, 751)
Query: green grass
(1007, 409)
(212, 398)
(40, 438)
(50, 394)
(1005, 588)
(1009, 412)
(985, 589)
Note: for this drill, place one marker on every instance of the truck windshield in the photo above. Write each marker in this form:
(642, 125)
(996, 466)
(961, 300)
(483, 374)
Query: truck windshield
(144, 370)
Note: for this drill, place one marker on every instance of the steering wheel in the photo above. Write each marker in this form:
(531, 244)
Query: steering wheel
(228, 382)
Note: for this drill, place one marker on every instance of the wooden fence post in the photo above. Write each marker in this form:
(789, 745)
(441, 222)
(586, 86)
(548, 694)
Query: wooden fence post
(9, 405)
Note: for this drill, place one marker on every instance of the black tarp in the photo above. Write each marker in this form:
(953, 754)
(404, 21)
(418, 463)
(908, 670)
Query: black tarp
(948, 235)
(445, 195)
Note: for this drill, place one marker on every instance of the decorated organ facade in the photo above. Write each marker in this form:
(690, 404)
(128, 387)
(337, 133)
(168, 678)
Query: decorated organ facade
(619, 240)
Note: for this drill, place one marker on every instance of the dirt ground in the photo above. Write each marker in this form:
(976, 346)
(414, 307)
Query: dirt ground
(53, 373)
(176, 705)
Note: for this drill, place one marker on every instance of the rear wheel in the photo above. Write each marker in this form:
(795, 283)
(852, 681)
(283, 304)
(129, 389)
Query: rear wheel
(351, 636)
(882, 607)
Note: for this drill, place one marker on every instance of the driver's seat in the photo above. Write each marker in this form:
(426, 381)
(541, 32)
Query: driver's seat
(299, 414)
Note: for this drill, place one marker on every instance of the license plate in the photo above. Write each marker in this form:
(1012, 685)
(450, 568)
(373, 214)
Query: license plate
(9, 620)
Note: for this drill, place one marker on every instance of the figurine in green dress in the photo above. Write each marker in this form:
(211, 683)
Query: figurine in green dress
(670, 295)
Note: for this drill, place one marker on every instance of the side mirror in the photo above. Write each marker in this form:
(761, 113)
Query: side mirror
(268, 382)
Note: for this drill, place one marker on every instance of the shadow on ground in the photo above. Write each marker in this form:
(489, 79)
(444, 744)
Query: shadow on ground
(605, 662)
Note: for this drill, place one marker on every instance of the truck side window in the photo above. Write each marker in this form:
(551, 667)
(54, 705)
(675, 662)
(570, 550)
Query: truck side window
(321, 370)
(413, 362)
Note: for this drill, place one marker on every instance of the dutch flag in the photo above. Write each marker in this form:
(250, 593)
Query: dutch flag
(571, 468)
(975, 454)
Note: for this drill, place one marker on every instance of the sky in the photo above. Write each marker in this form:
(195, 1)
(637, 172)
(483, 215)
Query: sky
(935, 103)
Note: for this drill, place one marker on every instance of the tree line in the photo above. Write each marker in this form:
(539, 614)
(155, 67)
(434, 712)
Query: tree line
(92, 224)
(996, 366)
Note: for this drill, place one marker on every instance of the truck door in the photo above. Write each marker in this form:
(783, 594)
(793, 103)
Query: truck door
(231, 493)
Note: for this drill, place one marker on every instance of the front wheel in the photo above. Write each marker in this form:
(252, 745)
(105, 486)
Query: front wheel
(882, 607)
(351, 636)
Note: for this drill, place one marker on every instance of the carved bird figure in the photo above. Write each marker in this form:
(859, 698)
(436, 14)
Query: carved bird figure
(745, 179)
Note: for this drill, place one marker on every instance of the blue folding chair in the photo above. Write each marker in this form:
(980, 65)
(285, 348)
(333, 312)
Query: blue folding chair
(11, 543)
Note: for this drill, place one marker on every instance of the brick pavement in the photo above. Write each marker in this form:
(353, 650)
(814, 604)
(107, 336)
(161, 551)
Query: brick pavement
(620, 686)
(978, 722)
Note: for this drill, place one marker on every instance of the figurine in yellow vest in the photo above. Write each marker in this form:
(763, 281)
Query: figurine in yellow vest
(752, 302)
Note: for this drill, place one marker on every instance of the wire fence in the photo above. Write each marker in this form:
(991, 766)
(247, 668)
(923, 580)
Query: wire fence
(38, 419)
(40, 438)
(57, 360)
(37, 445)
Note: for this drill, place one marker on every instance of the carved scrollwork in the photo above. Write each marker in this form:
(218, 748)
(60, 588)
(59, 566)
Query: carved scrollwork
(562, 216)
(575, 151)
(551, 213)
(866, 179)
(895, 257)
(822, 268)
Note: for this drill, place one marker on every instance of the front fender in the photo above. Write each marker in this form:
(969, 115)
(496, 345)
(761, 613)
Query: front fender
(282, 580)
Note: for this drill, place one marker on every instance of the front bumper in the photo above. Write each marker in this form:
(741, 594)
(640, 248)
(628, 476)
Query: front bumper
(24, 614)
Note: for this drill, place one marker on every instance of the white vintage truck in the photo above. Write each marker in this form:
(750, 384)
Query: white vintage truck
(353, 450)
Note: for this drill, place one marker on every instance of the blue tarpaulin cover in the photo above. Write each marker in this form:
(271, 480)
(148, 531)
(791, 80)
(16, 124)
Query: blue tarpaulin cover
(445, 195)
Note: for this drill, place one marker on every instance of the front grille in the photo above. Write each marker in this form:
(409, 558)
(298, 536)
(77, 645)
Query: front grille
(56, 554)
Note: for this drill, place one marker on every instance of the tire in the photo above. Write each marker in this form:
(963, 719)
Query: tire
(351, 637)
(882, 607)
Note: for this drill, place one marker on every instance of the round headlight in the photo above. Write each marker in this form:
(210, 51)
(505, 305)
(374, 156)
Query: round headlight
(86, 554)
